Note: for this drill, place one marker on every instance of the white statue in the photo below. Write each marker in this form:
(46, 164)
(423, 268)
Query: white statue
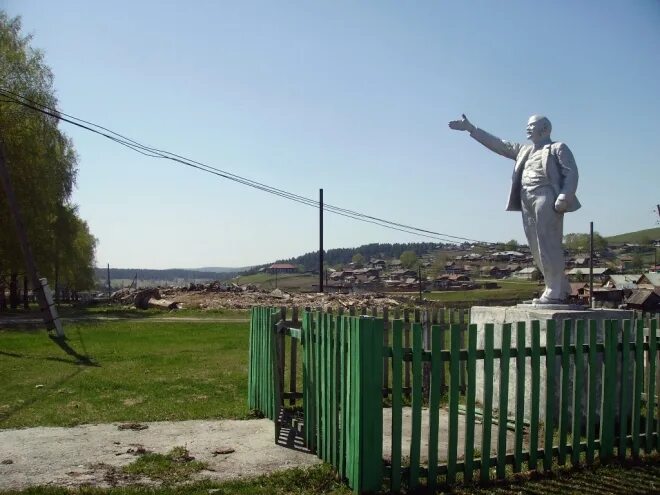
(543, 187)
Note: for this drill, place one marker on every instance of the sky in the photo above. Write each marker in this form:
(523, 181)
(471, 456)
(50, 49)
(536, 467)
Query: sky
(352, 97)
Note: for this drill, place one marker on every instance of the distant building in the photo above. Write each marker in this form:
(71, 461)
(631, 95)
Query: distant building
(623, 282)
(529, 273)
(282, 268)
(644, 299)
(650, 280)
(578, 274)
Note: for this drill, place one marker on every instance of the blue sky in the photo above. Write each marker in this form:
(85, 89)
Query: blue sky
(353, 97)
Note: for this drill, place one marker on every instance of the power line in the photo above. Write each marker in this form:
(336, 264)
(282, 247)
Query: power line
(12, 97)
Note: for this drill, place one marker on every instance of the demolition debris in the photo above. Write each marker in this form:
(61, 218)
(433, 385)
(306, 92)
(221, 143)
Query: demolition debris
(219, 295)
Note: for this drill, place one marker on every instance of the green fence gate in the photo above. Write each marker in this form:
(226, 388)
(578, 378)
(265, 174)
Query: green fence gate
(355, 367)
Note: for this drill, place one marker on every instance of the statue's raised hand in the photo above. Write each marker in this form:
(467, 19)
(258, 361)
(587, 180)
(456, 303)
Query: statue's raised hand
(461, 125)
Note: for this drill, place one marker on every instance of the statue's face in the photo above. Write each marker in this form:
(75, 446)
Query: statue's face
(537, 128)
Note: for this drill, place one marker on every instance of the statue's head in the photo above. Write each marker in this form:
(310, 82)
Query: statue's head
(538, 128)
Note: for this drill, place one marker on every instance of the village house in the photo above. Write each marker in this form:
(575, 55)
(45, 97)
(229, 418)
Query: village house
(493, 272)
(650, 280)
(378, 264)
(282, 268)
(402, 274)
(644, 299)
(529, 273)
(622, 282)
(601, 274)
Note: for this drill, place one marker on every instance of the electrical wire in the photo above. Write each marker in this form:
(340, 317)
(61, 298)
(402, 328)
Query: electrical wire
(12, 97)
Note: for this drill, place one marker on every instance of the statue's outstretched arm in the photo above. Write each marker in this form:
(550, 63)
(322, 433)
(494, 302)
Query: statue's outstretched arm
(493, 143)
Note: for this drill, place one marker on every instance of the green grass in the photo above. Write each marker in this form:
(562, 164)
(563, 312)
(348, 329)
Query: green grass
(635, 237)
(285, 281)
(319, 480)
(633, 477)
(140, 371)
(115, 311)
(509, 291)
(175, 466)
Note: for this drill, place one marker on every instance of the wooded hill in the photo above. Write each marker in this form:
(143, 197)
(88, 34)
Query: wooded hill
(170, 274)
(342, 256)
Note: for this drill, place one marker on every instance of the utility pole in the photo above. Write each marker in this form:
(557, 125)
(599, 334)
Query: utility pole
(591, 264)
(320, 240)
(109, 286)
(39, 285)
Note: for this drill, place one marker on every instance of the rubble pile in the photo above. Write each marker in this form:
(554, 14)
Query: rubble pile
(143, 299)
(256, 297)
(221, 295)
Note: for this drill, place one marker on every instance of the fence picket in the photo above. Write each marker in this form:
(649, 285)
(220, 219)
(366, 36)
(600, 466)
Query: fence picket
(504, 400)
(434, 405)
(454, 384)
(520, 397)
(638, 387)
(416, 433)
(535, 368)
(343, 396)
(624, 403)
(488, 402)
(591, 400)
(609, 391)
(578, 390)
(549, 394)
(650, 393)
(470, 399)
(567, 331)
(397, 403)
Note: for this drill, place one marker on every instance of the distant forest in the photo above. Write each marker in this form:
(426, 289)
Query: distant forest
(170, 274)
(343, 256)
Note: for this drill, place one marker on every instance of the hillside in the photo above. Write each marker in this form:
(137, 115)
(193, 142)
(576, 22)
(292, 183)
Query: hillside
(637, 237)
(171, 274)
(341, 256)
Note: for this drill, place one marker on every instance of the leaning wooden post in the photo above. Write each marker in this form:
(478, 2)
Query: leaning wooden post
(39, 285)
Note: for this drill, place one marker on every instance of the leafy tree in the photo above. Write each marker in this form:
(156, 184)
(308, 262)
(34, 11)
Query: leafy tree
(408, 259)
(358, 260)
(512, 245)
(637, 262)
(438, 266)
(41, 160)
(579, 243)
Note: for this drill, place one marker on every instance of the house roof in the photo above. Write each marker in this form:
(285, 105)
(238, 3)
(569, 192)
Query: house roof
(627, 281)
(641, 296)
(585, 271)
(529, 269)
(282, 266)
(653, 278)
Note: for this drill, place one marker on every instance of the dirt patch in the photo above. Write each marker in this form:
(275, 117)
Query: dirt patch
(96, 454)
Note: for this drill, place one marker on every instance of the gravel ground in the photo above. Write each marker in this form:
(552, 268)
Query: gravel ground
(92, 454)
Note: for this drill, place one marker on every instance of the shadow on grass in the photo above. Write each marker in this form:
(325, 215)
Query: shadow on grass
(39, 396)
(80, 359)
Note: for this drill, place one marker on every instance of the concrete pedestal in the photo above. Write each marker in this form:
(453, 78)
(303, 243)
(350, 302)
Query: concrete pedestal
(480, 315)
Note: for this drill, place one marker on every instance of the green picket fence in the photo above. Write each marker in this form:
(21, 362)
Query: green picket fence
(342, 381)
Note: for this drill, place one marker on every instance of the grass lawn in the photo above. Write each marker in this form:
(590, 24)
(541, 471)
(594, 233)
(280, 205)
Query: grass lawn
(509, 291)
(284, 281)
(140, 371)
